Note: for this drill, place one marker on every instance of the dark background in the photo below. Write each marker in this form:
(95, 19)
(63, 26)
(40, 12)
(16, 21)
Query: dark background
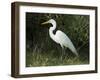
(41, 50)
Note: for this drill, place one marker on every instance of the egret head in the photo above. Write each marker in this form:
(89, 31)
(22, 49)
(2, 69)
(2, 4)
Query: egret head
(52, 21)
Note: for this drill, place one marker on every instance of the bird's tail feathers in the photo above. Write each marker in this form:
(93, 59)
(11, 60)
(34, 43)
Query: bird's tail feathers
(72, 48)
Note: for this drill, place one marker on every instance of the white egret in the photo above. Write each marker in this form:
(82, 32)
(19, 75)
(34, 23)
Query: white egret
(60, 37)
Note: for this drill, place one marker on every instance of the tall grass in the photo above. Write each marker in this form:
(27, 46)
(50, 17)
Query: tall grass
(37, 57)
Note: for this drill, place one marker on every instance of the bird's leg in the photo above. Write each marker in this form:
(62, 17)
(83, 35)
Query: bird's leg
(63, 52)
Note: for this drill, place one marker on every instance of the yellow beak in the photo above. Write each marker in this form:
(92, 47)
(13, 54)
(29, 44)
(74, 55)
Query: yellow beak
(45, 23)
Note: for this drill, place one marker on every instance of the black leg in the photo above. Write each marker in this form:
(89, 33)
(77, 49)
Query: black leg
(62, 54)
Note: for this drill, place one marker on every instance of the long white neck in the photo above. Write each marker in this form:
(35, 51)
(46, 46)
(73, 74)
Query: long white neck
(52, 28)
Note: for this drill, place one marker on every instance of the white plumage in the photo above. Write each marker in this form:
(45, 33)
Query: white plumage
(60, 37)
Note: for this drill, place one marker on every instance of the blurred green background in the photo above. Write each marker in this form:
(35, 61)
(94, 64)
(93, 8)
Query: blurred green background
(41, 50)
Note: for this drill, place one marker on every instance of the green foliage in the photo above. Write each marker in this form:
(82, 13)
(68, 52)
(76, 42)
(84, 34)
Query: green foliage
(49, 59)
(39, 46)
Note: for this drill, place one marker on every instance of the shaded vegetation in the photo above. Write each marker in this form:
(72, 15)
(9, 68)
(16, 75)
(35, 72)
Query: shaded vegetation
(42, 51)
